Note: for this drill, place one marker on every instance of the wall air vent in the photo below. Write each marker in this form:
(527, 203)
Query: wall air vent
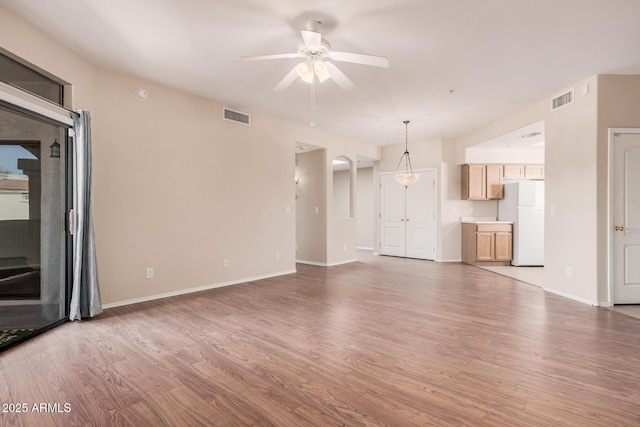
(236, 116)
(562, 100)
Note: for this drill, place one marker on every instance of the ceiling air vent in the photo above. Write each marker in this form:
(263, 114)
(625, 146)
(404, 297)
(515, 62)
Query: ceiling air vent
(562, 100)
(236, 116)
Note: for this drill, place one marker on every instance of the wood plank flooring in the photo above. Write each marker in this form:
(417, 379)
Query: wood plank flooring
(384, 341)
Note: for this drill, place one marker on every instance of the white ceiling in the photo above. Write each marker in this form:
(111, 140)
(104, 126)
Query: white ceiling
(455, 64)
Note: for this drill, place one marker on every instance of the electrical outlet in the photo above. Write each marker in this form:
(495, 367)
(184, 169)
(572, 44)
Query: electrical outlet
(277, 256)
(149, 273)
(345, 247)
(317, 210)
(225, 262)
(568, 271)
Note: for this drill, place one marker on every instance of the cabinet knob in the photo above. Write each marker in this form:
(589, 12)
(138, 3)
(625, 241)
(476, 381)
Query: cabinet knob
(401, 219)
(408, 220)
(619, 228)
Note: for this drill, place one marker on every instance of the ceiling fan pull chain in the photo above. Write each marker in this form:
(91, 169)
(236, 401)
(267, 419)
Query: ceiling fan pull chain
(313, 103)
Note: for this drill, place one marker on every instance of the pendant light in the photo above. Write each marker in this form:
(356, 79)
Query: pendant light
(407, 177)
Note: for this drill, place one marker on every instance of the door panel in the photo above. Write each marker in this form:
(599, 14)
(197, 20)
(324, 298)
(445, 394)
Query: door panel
(421, 217)
(408, 217)
(392, 202)
(626, 214)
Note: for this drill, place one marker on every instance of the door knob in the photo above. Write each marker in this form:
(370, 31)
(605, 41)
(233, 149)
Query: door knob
(619, 228)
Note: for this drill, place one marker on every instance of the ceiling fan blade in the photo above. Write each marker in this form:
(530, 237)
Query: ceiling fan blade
(356, 58)
(312, 40)
(263, 57)
(287, 80)
(339, 77)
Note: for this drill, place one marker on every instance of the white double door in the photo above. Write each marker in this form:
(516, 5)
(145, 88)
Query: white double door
(626, 217)
(407, 217)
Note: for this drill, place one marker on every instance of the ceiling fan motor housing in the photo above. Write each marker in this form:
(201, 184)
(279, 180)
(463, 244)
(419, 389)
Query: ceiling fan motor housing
(318, 51)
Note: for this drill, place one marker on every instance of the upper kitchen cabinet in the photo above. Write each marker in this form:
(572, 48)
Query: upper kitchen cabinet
(533, 171)
(481, 182)
(513, 172)
(523, 171)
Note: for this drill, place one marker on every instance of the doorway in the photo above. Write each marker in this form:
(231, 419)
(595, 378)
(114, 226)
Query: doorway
(408, 217)
(33, 234)
(624, 182)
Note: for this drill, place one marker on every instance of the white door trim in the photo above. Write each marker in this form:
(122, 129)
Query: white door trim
(610, 207)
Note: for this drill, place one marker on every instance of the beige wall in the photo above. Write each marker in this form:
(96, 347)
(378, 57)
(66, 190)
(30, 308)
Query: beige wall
(341, 193)
(311, 221)
(365, 207)
(571, 196)
(30, 44)
(570, 187)
(503, 155)
(618, 107)
(177, 188)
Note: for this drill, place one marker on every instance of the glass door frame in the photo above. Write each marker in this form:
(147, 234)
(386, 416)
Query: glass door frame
(38, 113)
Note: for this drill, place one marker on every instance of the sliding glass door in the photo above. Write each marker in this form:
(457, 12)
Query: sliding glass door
(33, 231)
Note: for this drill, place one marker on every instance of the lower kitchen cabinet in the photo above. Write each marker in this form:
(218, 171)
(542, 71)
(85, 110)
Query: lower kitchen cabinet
(487, 243)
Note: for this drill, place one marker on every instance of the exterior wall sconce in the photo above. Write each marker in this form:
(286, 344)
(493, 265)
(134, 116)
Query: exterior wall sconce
(55, 150)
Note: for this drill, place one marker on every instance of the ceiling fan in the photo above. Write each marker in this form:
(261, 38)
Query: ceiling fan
(315, 51)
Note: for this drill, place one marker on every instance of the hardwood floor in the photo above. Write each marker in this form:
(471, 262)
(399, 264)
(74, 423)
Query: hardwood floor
(384, 341)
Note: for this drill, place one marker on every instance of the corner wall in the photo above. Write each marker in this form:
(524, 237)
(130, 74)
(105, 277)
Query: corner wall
(618, 107)
(311, 225)
(176, 187)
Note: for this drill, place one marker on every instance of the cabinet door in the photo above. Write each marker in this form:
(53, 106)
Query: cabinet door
(475, 182)
(503, 246)
(484, 246)
(494, 182)
(513, 172)
(534, 171)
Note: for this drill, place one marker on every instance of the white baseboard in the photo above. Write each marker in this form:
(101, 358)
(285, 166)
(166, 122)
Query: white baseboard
(323, 264)
(573, 297)
(317, 264)
(192, 290)
(364, 248)
(605, 304)
(333, 264)
(448, 260)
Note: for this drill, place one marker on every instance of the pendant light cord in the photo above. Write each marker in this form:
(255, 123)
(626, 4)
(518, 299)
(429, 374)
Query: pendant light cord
(405, 156)
(313, 103)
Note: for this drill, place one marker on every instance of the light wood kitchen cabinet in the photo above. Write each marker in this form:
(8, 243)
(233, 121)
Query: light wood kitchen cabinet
(534, 171)
(487, 243)
(481, 182)
(513, 172)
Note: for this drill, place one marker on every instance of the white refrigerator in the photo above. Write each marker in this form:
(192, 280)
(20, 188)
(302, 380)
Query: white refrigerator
(523, 203)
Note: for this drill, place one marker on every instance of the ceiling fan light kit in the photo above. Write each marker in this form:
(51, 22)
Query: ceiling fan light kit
(316, 54)
(406, 177)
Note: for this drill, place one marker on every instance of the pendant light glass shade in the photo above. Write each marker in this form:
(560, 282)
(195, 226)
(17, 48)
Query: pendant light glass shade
(406, 177)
